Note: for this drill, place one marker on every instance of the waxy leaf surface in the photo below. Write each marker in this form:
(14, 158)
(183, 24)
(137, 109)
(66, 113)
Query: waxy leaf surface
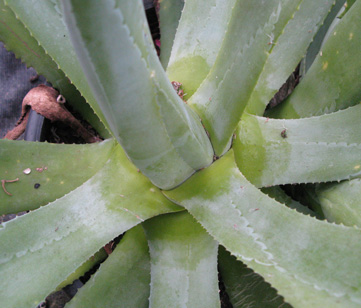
(332, 82)
(254, 63)
(162, 136)
(311, 263)
(183, 262)
(71, 229)
(123, 279)
(46, 171)
(318, 149)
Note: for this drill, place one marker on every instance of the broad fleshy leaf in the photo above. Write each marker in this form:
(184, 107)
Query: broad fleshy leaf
(332, 82)
(50, 243)
(183, 263)
(340, 202)
(319, 38)
(170, 12)
(312, 263)
(123, 279)
(252, 66)
(88, 265)
(162, 136)
(244, 287)
(197, 42)
(318, 149)
(46, 171)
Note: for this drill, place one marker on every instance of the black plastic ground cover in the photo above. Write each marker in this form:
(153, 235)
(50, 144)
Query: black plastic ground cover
(15, 81)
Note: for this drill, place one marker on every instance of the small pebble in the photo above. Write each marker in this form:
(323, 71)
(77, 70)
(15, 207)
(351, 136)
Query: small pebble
(36, 186)
(27, 171)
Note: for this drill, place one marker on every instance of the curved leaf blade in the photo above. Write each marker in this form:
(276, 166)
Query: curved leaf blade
(123, 279)
(340, 202)
(269, 152)
(71, 229)
(244, 287)
(275, 192)
(170, 143)
(332, 82)
(287, 52)
(183, 262)
(170, 12)
(251, 67)
(311, 263)
(197, 41)
(320, 36)
(88, 265)
(55, 170)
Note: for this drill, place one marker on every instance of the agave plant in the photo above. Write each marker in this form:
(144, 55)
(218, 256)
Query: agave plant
(192, 178)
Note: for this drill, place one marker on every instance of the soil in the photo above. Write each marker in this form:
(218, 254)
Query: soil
(58, 132)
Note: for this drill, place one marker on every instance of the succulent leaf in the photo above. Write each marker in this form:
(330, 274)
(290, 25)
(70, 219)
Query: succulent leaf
(197, 42)
(71, 229)
(279, 195)
(235, 54)
(252, 67)
(170, 12)
(183, 262)
(87, 266)
(284, 55)
(127, 271)
(46, 171)
(292, 251)
(333, 80)
(340, 202)
(244, 287)
(320, 36)
(160, 134)
(269, 151)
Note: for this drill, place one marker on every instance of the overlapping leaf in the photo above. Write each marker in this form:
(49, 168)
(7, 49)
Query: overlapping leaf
(170, 12)
(319, 38)
(198, 40)
(244, 287)
(160, 134)
(341, 201)
(123, 280)
(279, 195)
(46, 171)
(311, 263)
(48, 244)
(183, 262)
(254, 63)
(332, 82)
(319, 149)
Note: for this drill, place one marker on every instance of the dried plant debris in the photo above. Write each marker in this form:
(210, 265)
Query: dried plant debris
(50, 104)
